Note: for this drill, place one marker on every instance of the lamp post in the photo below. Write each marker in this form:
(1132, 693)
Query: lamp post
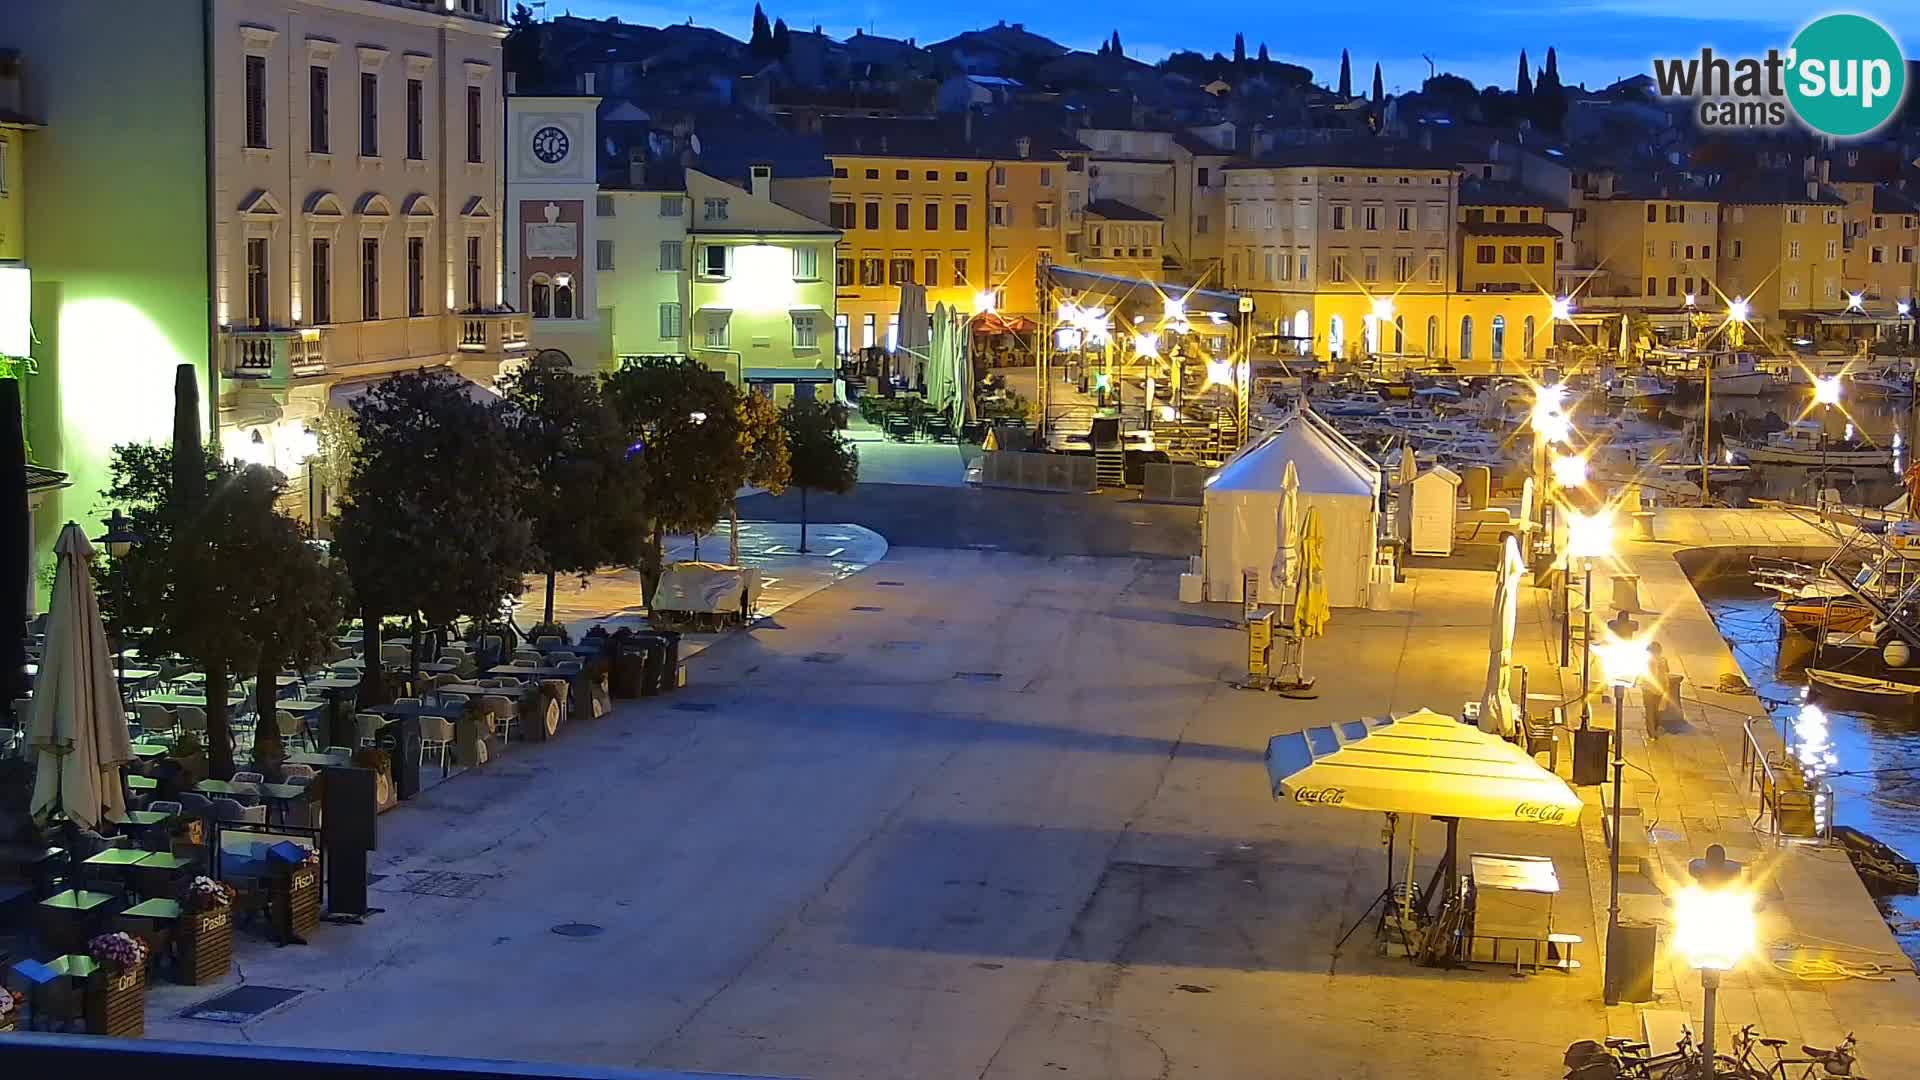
(1625, 662)
(1714, 927)
(1589, 537)
(1826, 394)
(118, 540)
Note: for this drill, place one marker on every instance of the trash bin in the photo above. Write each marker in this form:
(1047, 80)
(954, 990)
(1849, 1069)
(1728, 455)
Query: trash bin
(1630, 954)
(401, 740)
(653, 676)
(626, 666)
(1590, 746)
(670, 676)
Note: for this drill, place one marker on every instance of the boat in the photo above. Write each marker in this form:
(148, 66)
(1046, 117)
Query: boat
(1642, 389)
(1831, 615)
(1801, 444)
(1878, 384)
(1861, 688)
(1880, 867)
(1733, 374)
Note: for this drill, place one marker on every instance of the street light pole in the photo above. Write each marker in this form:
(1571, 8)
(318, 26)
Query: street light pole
(1625, 659)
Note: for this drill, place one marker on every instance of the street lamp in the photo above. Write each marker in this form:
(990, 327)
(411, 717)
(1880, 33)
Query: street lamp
(1713, 928)
(983, 303)
(118, 540)
(1560, 308)
(1826, 394)
(1589, 537)
(1569, 470)
(1624, 659)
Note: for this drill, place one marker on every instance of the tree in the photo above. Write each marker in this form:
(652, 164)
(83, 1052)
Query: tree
(681, 421)
(782, 39)
(580, 500)
(1264, 58)
(761, 43)
(822, 456)
(1549, 97)
(1553, 67)
(1379, 89)
(525, 49)
(1116, 44)
(1524, 84)
(1346, 75)
(430, 528)
(763, 441)
(1239, 48)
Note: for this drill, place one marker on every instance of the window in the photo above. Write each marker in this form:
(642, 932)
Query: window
(900, 271)
(714, 332)
(1673, 249)
(1305, 267)
(473, 273)
(1200, 224)
(1673, 286)
(806, 263)
(1906, 253)
(933, 174)
(843, 273)
(999, 215)
(1435, 274)
(257, 282)
(902, 215)
(1483, 254)
(840, 172)
(1200, 176)
(1266, 261)
(1043, 215)
(369, 278)
(997, 262)
(959, 269)
(806, 331)
(1877, 254)
(603, 206)
(840, 215)
(670, 320)
(873, 271)
(603, 254)
(1338, 271)
(416, 120)
(999, 176)
(256, 102)
(369, 114)
(1706, 251)
(320, 283)
(1435, 215)
(1371, 265)
(1369, 217)
(540, 297)
(1405, 216)
(1653, 213)
(672, 206)
(1476, 215)
(893, 332)
(1833, 217)
(900, 174)
(1270, 215)
(1686, 286)
(1652, 250)
(1403, 268)
(1526, 337)
(317, 134)
(1466, 337)
(715, 260)
(1793, 249)
(866, 331)
(1653, 287)
(476, 123)
(930, 270)
(1339, 217)
(672, 256)
(959, 178)
(1689, 251)
(842, 335)
(1796, 215)
(713, 209)
(872, 215)
(1499, 337)
(1046, 177)
(933, 216)
(1739, 248)
(960, 217)
(1833, 249)
(873, 174)
(1433, 335)
(563, 299)
(416, 275)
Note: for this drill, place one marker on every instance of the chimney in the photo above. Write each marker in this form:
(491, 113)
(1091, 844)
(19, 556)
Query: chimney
(513, 83)
(1806, 167)
(1813, 189)
(761, 181)
(586, 82)
(1023, 146)
(1606, 185)
(1826, 170)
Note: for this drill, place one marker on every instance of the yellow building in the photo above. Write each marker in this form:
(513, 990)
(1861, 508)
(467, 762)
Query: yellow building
(1880, 246)
(1036, 209)
(1658, 246)
(1505, 243)
(1124, 240)
(13, 183)
(1350, 249)
(760, 285)
(1780, 247)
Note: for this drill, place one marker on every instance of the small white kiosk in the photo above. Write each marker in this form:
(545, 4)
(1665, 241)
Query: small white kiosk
(1435, 498)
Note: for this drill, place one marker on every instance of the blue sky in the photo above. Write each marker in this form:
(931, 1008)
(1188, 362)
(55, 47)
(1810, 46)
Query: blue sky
(1598, 40)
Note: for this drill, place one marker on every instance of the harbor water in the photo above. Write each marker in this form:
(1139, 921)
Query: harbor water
(1880, 421)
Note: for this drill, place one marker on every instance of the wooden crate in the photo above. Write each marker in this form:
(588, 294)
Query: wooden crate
(116, 1003)
(203, 946)
(293, 902)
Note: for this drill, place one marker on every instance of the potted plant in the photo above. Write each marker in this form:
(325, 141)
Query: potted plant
(116, 993)
(203, 947)
(10, 1003)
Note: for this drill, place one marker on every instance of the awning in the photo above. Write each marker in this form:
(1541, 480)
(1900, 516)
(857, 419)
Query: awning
(1424, 763)
(780, 374)
(1114, 286)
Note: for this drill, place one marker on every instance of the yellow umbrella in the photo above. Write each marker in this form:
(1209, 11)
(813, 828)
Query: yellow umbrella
(1310, 609)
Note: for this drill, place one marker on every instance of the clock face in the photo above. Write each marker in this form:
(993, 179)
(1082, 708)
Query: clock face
(550, 145)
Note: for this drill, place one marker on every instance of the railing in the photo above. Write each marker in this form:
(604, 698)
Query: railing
(1790, 807)
(274, 356)
(494, 332)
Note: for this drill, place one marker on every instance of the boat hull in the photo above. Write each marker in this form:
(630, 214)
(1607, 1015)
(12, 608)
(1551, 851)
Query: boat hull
(1839, 617)
(1758, 454)
(1839, 685)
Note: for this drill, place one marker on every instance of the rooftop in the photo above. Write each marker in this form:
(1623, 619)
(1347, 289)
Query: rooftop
(1476, 191)
(1509, 228)
(1115, 210)
(1352, 153)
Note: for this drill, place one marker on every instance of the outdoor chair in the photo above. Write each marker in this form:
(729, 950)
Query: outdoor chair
(571, 667)
(291, 727)
(165, 806)
(225, 809)
(192, 718)
(395, 654)
(528, 658)
(369, 725)
(194, 804)
(561, 656)
(297, 774)
(503, 713)
(155, 719)
(548, 641)
(407, 701)
(436, 736)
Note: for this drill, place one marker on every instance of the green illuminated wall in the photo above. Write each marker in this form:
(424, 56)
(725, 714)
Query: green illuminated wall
(116, 229)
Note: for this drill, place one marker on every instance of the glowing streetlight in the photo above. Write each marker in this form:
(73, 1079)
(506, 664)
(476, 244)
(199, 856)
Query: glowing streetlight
(1569, 470)
(1856, 301)
(1624, 659)
(1589, 536)
(1739, 310)
(983, 302)
(1905, 308)
(1145, 345)
(1383, 309)
(1561, 309)
(1220, 372)
(1690, 300)
(1174, 309)
(1826, 390)
(1714, 928)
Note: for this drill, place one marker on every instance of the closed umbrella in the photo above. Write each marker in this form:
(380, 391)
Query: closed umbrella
(910, 334)
(79, 719)
(1497, 707)
(1286, 554)
(1310, 608)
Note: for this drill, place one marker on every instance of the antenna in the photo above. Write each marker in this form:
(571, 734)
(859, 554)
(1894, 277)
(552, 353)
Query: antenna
(1431, 70)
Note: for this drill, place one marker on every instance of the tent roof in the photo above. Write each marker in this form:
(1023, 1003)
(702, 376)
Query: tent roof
(1324, 464)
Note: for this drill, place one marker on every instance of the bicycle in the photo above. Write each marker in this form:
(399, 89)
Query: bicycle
(1819, 1062)
(1628, 1059)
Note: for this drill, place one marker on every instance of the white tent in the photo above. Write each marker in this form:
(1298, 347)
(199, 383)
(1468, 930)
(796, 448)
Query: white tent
(1241, 530)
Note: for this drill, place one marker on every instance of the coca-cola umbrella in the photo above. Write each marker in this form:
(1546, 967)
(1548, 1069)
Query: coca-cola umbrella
(1422, 763)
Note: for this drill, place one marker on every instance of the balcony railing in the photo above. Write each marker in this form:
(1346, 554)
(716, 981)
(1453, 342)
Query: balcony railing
(492, 332)
(272, 357)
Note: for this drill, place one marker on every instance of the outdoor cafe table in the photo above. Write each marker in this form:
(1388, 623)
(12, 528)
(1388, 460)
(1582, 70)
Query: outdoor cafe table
(148, 750)
(467, 734)
(198, 700)
(129, 676)
(147, 818)
(65, 916)
(136, 782)
(532, 706)
(320, 759)
(156, 874)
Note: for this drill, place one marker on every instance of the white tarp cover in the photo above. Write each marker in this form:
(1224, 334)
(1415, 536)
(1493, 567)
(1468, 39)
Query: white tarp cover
(1243, 510)
(707, 587)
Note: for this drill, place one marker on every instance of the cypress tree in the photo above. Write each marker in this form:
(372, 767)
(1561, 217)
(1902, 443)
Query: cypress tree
(1346, 75)
(1524, 85)
(1379, 88)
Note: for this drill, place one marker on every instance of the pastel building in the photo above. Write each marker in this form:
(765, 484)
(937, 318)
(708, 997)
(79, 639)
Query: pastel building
(299, 199)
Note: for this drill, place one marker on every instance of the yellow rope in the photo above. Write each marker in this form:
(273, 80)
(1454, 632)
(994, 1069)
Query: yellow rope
(1826, 968)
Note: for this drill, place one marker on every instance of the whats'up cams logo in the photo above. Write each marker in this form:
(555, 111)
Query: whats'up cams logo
(1843, 76)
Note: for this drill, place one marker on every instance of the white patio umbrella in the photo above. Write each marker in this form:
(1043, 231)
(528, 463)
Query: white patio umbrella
(78, 723)
(910, 335)
(1286, 554)
(1498, 710)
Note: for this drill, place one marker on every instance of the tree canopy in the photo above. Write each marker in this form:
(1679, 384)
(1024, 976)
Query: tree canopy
(823, 459)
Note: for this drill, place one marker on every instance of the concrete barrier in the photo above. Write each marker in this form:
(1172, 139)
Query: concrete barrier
(1037, 472)
(1173, 482)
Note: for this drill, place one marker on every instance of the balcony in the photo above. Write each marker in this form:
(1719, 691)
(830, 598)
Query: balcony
(272, 357)
(499, 333)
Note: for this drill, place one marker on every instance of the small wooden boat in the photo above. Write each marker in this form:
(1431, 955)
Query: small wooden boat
(1883, 869)
(1862, 688)
(1831, 615)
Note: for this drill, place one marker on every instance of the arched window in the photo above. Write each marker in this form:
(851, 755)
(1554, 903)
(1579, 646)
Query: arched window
(1303, 330)
(1370, 333)
(1336, 336)
(1433, 335)
(1466, 337)
(563, 300)
(1526, 337)
(540, 297)
(1499, 337)
(1400, 333)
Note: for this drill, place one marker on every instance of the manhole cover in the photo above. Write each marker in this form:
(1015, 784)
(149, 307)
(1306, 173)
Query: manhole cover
(694, 706)
(443, 883)
(579, 929)
(977, 676)
(867, 607)
(239, 1005)
(823, 657)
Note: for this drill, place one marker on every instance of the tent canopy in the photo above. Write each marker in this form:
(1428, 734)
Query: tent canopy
(1325, 466)
(1423, 763)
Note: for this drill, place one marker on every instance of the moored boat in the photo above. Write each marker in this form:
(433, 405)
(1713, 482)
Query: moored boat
(1861, 688)
(1801, 444)
(1881, 867)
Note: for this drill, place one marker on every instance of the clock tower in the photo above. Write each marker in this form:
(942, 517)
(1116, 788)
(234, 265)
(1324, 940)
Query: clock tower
(551, 231)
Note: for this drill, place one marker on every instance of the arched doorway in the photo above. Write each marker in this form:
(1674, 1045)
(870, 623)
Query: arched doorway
(1303, 331)
(1433, 335)
(1466, 337)
(1526, 337)
(1336, 337)
(1499, 338)
(1400, 333)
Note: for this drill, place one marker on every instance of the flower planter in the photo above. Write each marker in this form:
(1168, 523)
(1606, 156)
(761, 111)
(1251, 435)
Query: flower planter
(8, 1020)
(116, 1002)
(203, 946)
(293, 902)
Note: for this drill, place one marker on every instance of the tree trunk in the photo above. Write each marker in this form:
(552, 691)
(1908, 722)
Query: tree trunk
(650, 559)
(733, 532)
(803, 521)
(268, 751)
(548, 621)
(413, 656)
(219, 729)
(373, 677)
